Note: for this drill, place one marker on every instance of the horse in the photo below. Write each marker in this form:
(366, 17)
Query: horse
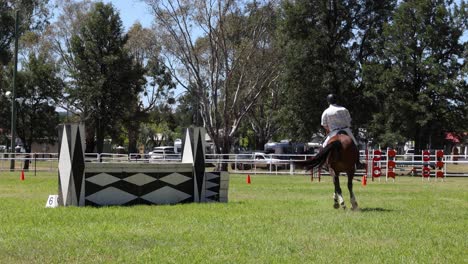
(340, 155)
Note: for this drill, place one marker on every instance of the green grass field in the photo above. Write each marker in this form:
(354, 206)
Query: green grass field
(276, 219)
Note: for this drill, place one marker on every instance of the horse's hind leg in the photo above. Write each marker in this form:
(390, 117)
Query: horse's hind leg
(337, 196)
(354, 204)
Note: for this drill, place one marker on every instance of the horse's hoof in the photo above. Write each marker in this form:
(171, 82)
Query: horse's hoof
(336, 206)
(343, 206)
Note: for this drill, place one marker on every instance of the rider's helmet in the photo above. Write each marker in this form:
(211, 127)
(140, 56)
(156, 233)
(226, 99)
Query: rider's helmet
(331, 99)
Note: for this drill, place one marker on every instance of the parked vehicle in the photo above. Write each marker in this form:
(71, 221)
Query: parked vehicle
(178, 145)
(258, 160)
(263, 160)
(163, 153)
(243, 162)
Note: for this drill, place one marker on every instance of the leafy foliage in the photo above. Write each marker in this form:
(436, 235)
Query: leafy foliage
(226, 68)
(40, 87)
(318, 61)
(107, 81)
(417, 79)
(33, 15)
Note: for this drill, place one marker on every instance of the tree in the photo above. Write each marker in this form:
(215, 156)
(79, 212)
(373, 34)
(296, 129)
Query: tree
(264, 118)
(71, 17)
(418, 79)
(144, 48)
(316, 37)
(215, 54)
(40, 87)
(262, 121)
(33, 15)
(367, 44)
(106, 80)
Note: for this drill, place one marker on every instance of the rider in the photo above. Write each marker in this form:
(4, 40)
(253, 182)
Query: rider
(335, 119)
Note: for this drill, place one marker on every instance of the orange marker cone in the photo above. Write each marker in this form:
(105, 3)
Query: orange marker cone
(248, 179)
(364, 180)
(22, 175)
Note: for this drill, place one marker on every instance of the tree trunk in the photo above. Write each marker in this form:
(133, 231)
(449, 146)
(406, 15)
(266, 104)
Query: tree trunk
(132, 141)
(90, 143)
(27, 157)
(99, 138)
(226, 149)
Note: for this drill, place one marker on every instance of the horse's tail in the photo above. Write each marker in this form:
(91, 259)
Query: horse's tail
(321, 157)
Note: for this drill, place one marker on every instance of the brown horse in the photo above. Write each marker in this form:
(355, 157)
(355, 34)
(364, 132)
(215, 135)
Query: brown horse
(340, 155)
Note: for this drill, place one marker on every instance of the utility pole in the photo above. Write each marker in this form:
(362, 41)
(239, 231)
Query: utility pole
(13, 101)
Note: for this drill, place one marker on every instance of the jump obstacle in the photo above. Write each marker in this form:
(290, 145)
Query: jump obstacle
(376, 164)
(83, 183)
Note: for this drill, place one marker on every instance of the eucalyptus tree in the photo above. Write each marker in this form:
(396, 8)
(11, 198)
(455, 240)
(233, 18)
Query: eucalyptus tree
(263, 120)
(70, 19)
(215, 53)
(144, 47)
(33, 15)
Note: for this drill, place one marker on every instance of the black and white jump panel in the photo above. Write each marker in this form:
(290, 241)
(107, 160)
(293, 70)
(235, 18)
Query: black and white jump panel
(101, 184)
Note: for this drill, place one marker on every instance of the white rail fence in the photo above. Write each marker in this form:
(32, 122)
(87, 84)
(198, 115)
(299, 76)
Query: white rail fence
(454, 165)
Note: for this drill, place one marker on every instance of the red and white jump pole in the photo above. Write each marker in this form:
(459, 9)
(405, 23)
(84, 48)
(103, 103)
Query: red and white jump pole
(376, 164)
(391, 164)
(440, 165)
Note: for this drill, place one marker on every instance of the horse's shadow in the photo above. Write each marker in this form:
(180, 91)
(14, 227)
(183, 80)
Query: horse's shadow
(375, 209)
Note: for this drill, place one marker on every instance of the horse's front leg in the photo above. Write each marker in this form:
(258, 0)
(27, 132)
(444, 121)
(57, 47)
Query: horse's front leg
(337, 196)
(354, 204)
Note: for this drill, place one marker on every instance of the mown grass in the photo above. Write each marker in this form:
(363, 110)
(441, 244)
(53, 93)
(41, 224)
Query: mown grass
(276, 219)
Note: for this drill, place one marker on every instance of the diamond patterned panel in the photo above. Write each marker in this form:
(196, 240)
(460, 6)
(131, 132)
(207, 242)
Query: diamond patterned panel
(111, 196)
(210, 184)
(139, 179)
(78, 164)
(102, 179)
(211, 176)
(175, 178)
(64, 166)
(187, 153)
(210, 193)
(166, 195)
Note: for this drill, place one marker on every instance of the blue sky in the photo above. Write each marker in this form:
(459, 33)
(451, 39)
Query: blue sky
(132, 11)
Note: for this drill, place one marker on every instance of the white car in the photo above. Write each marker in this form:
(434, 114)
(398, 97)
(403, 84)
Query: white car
(164, 153)
(248, 161)
(263, 160)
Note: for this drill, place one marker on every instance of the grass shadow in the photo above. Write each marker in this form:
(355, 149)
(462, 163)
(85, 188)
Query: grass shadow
(376, 209)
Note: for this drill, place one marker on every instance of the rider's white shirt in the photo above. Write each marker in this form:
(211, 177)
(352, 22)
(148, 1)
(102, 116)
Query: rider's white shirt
(336, 117)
